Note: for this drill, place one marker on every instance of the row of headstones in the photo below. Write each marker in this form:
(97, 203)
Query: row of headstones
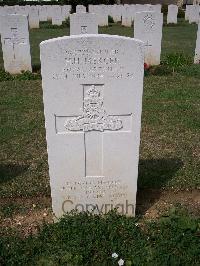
(126, 13)
(92, 93)
(16, 47)
(147, 27)
(55, 13)
(192, 13)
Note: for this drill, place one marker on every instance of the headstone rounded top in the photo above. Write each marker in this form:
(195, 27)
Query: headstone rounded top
(89, 36)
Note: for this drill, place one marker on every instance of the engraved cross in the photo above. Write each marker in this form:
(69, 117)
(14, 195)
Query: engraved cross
(94, 123)
(14, 40)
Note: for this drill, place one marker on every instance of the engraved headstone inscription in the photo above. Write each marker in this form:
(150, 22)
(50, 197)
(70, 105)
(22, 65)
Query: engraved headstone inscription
(83, 23)
(92, 95)
(148, 28)
(15, 43)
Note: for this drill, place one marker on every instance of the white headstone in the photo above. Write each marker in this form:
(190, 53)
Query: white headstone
(80, 9)
(49, 12)
(92, 92)
(197, 50)
(148, 28)
(127, 16)
(83, 23)
(57, 17)
(116, 13)
(172, 14)
(101, 12)
(43, 15)
(33, 17)
(187, 11)
(66, 9)
(15, 43)
(194, 14)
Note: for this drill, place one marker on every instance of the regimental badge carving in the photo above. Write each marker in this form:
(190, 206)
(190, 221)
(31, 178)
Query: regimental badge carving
(149, 22)
(94, 117)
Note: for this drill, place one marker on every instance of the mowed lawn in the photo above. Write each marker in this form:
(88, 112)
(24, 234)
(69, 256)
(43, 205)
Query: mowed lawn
(170, 141)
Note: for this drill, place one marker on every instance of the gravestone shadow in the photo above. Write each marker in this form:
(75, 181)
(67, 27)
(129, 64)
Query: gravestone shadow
(10, 171)
(152, 177)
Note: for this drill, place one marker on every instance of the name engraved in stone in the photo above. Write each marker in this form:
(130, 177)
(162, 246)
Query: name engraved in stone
(91, 63)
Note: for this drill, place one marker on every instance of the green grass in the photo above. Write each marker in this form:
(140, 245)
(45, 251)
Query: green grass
(83, 239)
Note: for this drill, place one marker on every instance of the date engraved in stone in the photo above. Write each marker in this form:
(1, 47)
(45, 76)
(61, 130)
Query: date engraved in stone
(94, 116)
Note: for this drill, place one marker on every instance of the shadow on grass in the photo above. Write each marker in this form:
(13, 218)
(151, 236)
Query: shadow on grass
(152, 177)
(10, 171)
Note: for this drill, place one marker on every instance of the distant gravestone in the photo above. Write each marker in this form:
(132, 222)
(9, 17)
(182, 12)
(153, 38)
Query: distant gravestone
(33, 17)
(15, 43)
(83, 23)
(49, 12)
(194, 14)
(57, 17)
(197, 50)
(101, 12)
(66, 9)
(127, 16)
(80, 9)
(92, 95)
(187, 12)
(172, 14)
(43, 15)
(148, 28)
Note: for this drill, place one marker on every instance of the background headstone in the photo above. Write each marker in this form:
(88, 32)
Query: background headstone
(194, 14)
(83, 23)
(172, 14)
(197, 50)
(15, 43)
(92, 91)
(148, 28)
(127, 16)
(66, 9)
(43, 15)
(33, 17)
(80, 9)
(57, 17)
